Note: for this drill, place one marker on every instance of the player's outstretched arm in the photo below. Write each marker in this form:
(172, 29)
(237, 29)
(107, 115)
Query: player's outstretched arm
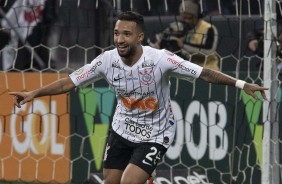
(218, 77)
(55, 88)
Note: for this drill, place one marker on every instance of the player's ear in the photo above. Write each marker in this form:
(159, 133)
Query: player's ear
(140, 37)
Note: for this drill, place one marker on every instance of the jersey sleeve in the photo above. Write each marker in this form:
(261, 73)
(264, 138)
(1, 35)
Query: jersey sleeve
(180, 68)
(89, 73)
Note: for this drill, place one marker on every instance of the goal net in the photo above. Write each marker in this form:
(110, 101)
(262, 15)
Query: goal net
(223, 135)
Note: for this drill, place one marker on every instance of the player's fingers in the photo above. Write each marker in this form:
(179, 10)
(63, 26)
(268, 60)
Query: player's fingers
(262, 91)
(16, 101)
(19, 98)
(23, 101)
(263, 88)
(14, 93)
(254, 95)
(263, 94)
(251, 93)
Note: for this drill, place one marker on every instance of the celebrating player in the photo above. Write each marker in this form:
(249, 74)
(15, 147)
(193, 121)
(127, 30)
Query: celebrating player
(143, 125)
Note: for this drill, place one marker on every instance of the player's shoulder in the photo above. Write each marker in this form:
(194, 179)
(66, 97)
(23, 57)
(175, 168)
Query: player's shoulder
(110, 53)
(153, 52)
(161, 57)
(107, 55)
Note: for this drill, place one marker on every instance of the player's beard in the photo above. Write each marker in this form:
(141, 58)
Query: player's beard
(129, 53)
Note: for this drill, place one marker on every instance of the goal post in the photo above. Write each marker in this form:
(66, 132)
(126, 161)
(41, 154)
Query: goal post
(271, 146)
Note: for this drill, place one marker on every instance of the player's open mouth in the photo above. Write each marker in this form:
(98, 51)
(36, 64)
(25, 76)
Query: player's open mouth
(122, 48)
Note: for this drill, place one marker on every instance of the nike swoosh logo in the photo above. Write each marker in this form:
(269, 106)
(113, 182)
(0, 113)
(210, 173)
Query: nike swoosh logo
(144, 162)
(116, 79)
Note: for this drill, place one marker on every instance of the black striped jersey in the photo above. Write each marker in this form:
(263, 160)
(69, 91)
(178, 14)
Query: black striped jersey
(143, 112)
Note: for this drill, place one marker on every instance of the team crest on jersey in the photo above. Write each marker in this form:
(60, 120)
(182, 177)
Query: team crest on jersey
(146, 77)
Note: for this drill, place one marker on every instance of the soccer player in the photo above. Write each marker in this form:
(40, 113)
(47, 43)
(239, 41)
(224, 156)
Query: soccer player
(143, 125)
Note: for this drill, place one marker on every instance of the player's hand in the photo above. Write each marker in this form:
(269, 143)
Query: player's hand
(250, 89)
(21, 98)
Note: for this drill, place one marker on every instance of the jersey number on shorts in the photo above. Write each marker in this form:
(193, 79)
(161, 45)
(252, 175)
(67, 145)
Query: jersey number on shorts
(152, 156)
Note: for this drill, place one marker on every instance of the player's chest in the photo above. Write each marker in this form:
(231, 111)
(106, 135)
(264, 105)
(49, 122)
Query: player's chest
(136, 79)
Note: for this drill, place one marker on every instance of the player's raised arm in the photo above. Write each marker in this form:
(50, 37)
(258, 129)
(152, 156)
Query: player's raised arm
(55, 88)
(218, 77)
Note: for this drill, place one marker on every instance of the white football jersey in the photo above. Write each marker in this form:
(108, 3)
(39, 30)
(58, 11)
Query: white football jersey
(143, 112)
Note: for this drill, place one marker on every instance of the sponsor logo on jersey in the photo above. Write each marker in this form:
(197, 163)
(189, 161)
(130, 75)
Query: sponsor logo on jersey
(117, 78)
(125, 93)
(116, 65)
(179, 65)
(145, 162)
(147, 64)
(149, 103)
(146, 77)
(89, 72)
(131, 77)
(136, 130)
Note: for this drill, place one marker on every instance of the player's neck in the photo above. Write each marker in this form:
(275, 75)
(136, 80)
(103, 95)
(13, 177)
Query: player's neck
(130, 61)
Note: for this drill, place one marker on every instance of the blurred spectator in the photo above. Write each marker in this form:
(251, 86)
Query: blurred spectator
(4, 33)
(192, 37)
(152, 7)
(29, 22)
(255, 40)
(212, 8)
(231, 7)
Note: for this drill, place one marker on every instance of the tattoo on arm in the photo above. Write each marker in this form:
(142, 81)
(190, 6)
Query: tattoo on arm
(55, 88)
(216, 77)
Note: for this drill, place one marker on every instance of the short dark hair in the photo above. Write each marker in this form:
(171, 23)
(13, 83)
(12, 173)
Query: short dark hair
(134, 17)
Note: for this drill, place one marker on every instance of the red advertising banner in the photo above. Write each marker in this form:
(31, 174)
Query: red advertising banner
(34, 139)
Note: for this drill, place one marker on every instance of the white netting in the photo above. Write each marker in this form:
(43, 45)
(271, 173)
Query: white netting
(61, 139)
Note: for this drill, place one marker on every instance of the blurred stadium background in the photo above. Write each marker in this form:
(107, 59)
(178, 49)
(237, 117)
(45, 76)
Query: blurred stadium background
(223, 135)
